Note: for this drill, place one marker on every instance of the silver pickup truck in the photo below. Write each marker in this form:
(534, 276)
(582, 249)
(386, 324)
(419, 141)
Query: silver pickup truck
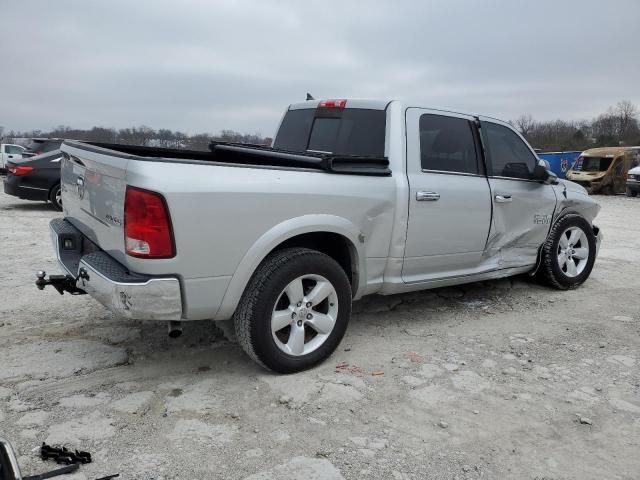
(353, 198)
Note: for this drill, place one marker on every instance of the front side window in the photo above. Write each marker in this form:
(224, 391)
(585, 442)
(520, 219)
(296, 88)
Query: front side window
(446, 144)
(508, 155)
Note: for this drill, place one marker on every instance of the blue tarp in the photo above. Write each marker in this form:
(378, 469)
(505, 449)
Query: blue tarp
(560, 162)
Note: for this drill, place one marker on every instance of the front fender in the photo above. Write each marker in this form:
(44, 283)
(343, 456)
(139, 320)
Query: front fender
(280, 233)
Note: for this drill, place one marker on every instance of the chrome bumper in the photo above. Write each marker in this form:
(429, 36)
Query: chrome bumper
(127, 294)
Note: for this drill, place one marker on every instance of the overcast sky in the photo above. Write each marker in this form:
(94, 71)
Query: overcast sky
(201, 66)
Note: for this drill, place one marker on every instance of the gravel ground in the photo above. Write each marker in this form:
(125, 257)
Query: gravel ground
(504, 379)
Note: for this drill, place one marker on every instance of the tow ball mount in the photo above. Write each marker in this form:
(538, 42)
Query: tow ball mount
(62, 283)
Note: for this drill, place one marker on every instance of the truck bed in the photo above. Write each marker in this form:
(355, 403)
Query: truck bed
(241, 154)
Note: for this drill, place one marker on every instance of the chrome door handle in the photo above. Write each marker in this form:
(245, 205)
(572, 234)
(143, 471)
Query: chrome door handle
(427, 196)
(503, 198)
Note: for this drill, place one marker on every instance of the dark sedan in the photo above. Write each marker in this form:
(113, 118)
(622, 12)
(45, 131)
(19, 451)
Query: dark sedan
(36, 178)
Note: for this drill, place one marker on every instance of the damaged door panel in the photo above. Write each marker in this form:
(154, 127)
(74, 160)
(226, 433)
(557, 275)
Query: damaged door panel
(522, 208)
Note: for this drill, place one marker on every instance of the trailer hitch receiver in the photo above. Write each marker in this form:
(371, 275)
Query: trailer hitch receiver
(62, 283)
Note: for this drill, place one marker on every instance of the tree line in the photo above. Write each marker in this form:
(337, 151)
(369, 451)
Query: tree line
(618, 126)
(142, 135)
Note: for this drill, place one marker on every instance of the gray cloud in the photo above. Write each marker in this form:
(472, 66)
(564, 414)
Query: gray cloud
(206, 65)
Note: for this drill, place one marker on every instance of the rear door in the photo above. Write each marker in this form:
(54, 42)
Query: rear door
(522, 208)
(449, 198)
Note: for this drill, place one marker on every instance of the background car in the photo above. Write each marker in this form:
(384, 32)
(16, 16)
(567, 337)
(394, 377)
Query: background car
(37, 146)
(633, 182)
(8, 152)
(36, 178)
(603, 170)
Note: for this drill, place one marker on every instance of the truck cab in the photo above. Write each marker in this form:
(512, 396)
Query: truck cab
(8, 152)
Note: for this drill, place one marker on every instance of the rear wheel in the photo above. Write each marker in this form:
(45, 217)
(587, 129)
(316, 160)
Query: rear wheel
(569, 253)
(295, 310)
(631, 193)
(55, 197)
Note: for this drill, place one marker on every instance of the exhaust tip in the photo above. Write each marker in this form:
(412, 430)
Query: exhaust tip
(175, 329)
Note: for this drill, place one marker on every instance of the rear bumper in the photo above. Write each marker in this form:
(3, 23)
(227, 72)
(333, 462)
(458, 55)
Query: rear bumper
(127, 294)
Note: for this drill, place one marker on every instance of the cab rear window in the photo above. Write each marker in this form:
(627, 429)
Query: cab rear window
(341, 131)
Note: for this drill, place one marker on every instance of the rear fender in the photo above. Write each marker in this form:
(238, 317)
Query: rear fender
(279, 234)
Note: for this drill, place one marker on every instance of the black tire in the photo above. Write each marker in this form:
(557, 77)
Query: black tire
(252, 318)
(631, 193)
(55, 198)
(550, 269)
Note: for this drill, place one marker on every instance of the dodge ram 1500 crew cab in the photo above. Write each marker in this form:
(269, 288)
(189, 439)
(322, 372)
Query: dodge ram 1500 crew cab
(355, 197)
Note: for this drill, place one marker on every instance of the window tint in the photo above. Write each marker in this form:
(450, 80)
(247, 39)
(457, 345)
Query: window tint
(509, 156)
(349, 131)
(446, 144)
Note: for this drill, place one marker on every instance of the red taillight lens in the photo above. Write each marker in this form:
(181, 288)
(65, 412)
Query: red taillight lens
(333, 104)
(18, 170)
(147, 227)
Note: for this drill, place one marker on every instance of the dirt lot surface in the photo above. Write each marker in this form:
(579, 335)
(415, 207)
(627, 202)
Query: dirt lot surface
(504, 379)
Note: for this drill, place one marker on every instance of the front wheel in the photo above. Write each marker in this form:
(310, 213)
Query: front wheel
(294, 311)
(569, 253)
(631, 193)
(55, 197)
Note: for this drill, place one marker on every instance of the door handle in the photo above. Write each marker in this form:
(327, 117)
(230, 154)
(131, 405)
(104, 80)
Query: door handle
(427, 196)
(503, 198)
(10, 156)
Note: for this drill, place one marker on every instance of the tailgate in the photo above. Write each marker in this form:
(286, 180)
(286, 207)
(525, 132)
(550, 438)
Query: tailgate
(93, 192)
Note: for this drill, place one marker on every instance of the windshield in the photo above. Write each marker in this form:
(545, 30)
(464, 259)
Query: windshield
(346, 131)
(593, 164)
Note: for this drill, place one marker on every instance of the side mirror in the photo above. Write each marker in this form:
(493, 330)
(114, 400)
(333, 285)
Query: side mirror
(544, 175)
(9, 469)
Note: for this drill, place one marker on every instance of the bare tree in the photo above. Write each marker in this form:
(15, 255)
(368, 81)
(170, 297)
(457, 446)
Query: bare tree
(627, 114)
(525, 124)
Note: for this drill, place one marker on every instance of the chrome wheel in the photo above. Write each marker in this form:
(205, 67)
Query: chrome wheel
(573, 251)
(304, 315)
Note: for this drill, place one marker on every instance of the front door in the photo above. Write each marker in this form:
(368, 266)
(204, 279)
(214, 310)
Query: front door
(522, 208)
(449, 197)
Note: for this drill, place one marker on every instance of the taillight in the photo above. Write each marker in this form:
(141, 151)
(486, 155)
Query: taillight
(333, 103)
(147, 227)
(19, 170)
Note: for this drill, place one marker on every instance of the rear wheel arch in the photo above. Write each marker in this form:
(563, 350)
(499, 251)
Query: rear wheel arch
(311, 231)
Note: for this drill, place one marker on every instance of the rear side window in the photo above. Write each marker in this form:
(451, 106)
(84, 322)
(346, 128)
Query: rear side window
(446, 144)
(347, 131)
(509, 156)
